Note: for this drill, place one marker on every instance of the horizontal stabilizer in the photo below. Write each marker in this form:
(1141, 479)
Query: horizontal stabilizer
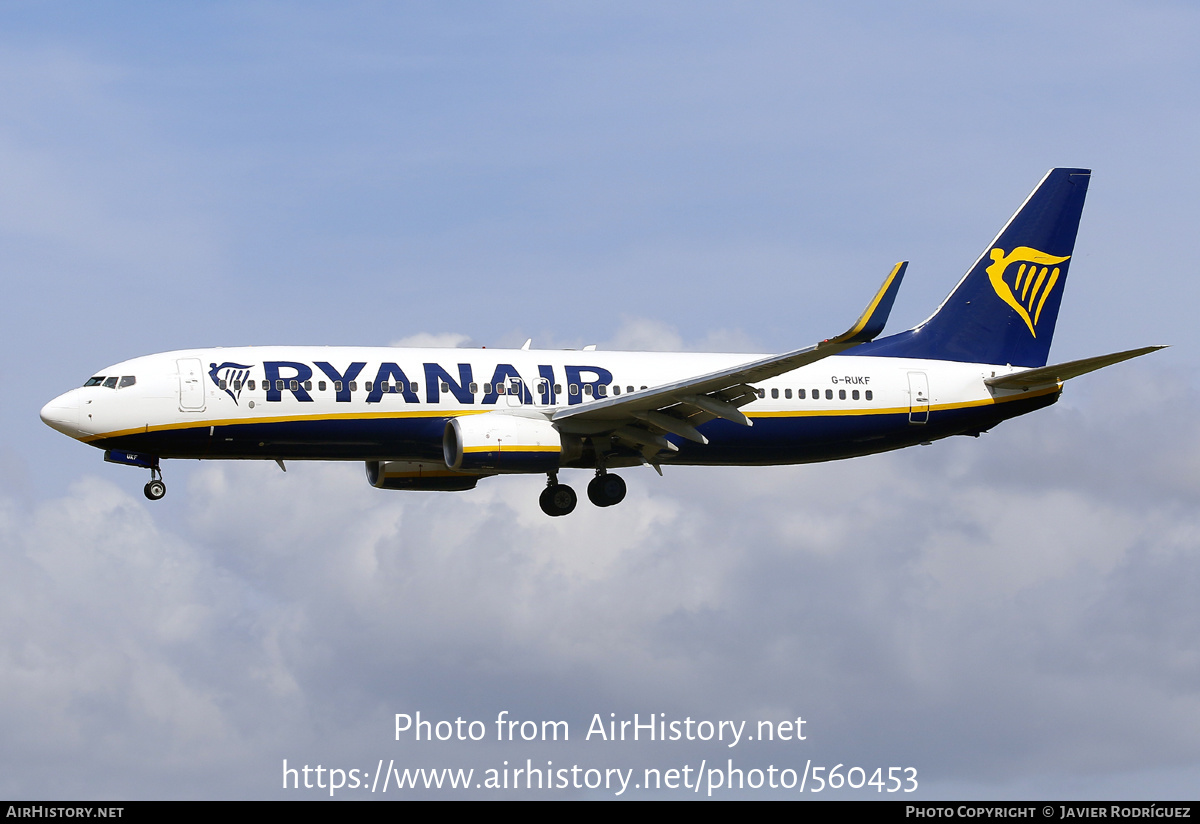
(1059, 372)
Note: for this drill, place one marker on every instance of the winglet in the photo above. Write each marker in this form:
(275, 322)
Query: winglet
(875, 317)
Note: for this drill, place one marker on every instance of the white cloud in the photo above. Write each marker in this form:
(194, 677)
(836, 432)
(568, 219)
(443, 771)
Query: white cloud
(287, 604)
(434, 340)
(644, 334)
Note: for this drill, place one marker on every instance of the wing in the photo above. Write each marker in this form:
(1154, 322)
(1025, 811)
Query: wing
(640, 418)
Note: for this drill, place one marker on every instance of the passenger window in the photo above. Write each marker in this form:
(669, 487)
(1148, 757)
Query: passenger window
(854, 394)
(587, 389)
(111, 383)
(127, 380)
(558, 389)
(500, 389)
(445, 387)
(279, 385)
(294, 385)
(630, 388)
(601, 391)
(308, 386)
(816, 394)
(237, 386)
(320, 386)
(367, 385)
(774, 394)
(800, 394)
(474, 388)
(616, 389)
(574, 389)
(353, 386)
(841, 394)
(870, 395)
(222, 385)
(251, 385)
(762, 393)
(828, 394)
(787, 393)
(414, 386)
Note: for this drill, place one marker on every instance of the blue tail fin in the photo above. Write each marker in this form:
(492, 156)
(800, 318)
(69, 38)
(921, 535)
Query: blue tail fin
(1005, 308)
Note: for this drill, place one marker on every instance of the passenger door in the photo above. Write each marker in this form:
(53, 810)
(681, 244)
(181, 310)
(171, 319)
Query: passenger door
(918, 397)
(191, 385)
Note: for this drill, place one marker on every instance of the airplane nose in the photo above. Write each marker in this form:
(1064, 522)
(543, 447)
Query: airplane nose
(62, 414)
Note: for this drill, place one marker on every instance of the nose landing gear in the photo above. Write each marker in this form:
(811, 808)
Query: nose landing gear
(155, 489)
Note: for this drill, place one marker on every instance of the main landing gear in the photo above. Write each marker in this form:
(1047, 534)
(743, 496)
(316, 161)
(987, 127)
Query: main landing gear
(155, 489)
(559, 499)
(606, 489)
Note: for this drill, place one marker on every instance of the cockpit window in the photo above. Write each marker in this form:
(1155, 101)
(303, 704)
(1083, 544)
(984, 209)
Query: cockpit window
(111, 383)
(96, 381)
(126, 380)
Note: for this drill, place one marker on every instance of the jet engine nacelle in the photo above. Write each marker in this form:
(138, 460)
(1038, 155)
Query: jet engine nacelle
(418, 476)
(495, 442)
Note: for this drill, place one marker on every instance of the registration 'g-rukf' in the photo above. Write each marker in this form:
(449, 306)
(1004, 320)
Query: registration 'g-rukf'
(442, 419)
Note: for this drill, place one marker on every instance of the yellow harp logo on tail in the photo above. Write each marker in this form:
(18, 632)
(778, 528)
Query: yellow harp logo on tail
(1032, 284)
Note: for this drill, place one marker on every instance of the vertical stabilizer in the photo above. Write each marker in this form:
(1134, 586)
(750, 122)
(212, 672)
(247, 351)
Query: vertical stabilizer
(1005, 308)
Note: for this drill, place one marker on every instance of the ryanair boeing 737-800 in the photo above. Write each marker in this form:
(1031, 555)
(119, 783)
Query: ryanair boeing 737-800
(442, 419)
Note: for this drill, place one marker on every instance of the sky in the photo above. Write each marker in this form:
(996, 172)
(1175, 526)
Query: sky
(1012, 616)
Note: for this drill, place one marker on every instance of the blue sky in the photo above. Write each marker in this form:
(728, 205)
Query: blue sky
(1014, 616)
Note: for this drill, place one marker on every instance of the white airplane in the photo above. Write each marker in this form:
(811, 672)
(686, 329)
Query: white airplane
(441, 419)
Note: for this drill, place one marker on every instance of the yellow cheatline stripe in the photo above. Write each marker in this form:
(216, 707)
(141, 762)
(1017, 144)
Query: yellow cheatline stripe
(866, 316)
(338, 416)
(827, 413)
(899, 410)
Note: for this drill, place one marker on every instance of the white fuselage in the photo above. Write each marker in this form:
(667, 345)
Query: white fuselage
(339, 403)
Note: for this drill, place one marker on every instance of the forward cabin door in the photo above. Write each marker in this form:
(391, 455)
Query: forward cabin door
(918, 397)
(191, 385)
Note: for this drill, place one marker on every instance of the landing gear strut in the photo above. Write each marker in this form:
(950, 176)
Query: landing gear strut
(155, 489)
(557, 499)
(606, 489)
